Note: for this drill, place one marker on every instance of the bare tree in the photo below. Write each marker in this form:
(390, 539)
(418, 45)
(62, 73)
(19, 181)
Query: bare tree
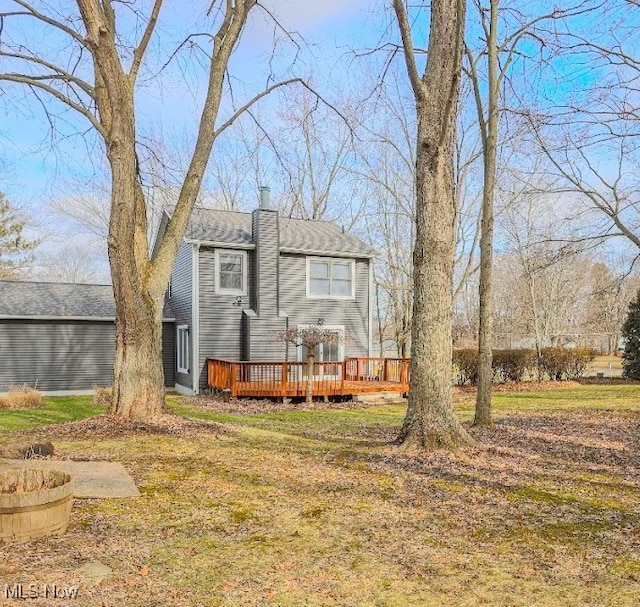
(430, 421)
(499, 53)
(70, 263)
(588, 130)
(542, 272)
(96, 74)
(309, 338)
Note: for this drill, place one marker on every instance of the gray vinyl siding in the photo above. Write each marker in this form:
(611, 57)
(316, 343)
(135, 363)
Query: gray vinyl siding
(352, 313)
(64, 355)
(267, 239)
(181, 303)
(220, 327)
(263, 342)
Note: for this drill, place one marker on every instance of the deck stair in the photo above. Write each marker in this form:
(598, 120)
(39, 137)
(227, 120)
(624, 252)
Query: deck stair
(380, 398)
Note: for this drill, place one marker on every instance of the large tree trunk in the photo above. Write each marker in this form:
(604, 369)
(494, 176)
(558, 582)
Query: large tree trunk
(138, 374)
(138, 383)
(139, 283)
(430, 421)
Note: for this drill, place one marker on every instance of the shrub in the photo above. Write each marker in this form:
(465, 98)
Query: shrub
(508, 365)
(631, 334)
(21, 397)
(102, 395)
(577, 361)
(553, 362)
(565, 363)
(465, 362)
(511, 365)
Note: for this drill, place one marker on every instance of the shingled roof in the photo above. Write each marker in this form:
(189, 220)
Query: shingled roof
(48, 300)
(296, 235)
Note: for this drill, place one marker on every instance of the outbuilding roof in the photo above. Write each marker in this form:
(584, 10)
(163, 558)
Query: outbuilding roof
(49, 300)
(296, 235)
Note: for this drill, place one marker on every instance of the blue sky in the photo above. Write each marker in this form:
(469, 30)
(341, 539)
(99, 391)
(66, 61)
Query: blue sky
(37, 169)
(35, 165)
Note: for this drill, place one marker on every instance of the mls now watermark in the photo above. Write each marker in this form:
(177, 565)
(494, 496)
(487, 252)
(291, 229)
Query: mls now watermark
(39, 591)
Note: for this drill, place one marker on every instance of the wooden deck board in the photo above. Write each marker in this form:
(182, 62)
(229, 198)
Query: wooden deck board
(280, 379)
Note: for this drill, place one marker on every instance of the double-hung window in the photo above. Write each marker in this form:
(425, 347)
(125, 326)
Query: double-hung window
(182, 348)
(330, 278)
(231, 272)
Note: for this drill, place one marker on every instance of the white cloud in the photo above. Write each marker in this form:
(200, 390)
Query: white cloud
(307, 15)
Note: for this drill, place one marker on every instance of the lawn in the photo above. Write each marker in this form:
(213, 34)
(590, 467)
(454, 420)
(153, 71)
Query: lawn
(291, 508)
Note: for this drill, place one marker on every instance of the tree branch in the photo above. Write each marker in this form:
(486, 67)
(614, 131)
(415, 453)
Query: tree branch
(34, 82)
(140, 50)
(409, 52)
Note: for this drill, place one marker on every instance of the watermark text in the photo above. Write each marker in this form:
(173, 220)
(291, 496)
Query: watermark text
(39, 591)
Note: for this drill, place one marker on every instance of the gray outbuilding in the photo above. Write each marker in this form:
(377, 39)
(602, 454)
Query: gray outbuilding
(61, 337)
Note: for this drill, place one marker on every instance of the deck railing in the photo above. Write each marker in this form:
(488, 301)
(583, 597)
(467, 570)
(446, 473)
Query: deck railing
(289, 379)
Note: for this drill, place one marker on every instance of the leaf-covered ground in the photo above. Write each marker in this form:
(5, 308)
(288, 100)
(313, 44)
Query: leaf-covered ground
(314, 507)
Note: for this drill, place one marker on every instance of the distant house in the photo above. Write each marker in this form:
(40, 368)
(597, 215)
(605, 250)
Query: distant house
(61, 337)
(240, 278)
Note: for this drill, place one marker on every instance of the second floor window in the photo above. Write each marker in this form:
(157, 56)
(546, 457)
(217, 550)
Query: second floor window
(231, 268)
(330, 278)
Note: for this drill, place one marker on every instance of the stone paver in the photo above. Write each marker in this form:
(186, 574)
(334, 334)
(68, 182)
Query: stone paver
(92, 479)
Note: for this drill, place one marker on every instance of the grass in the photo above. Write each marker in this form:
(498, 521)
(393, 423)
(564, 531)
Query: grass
(315, 508)
(56, 410)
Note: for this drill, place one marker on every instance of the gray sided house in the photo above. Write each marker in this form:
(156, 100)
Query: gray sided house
(241, 278)
(61, 337)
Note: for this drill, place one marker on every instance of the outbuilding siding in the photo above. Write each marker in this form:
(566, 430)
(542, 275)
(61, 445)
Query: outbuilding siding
(65, 354)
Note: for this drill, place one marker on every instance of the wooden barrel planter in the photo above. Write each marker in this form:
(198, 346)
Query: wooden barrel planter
(34, 503)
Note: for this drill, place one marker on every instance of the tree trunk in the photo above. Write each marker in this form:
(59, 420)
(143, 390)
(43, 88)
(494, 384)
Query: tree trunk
(489, 144)
(138, 383)
(138, 388)
(309, 391)
(430, 421)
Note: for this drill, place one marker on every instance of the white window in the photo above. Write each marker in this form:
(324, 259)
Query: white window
(182, 347)
(231, 272)
(326, 352)
(330, 278)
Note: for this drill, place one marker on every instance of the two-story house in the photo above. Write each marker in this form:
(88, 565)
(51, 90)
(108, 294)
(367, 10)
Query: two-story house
(240, 279)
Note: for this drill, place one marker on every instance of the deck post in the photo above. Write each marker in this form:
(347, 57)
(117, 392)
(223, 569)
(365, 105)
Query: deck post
(405, 375)
(385, 370)
(234, 368)
(283, 379)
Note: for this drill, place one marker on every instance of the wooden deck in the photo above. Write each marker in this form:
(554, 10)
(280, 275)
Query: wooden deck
(289, 379)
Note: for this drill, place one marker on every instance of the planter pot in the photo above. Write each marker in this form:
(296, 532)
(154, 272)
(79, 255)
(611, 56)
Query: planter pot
(34, 503)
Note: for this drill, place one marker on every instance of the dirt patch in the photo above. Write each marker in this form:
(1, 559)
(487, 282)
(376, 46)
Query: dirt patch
(255, 406)
(606, 381)
(107, 426)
